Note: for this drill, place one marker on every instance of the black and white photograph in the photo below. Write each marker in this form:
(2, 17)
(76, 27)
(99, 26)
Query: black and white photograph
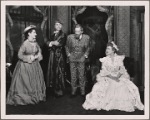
(74, 59)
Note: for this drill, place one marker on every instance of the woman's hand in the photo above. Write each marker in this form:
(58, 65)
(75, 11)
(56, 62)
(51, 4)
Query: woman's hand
(8, 64)
(119, 75)
(114, 78)
(32, 58)
(36, 57)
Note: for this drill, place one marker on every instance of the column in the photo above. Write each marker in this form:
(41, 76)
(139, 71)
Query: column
(63, 14)
(122, 29)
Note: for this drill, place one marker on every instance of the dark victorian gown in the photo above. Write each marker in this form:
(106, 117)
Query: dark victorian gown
(56, 64)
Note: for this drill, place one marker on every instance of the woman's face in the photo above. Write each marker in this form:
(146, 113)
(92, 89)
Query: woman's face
(58, 26)
(109, 50)
(32, 35)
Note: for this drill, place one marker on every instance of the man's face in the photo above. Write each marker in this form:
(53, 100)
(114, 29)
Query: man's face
(78, 32)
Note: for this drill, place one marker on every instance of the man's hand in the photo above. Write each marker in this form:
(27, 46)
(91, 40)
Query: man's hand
(56, 43)
(86, 56)
(51, 44)
(82, 58)
(8, 64)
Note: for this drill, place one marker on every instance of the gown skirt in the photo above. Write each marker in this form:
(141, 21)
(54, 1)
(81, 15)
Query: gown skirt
(27, 85)
(108, 94)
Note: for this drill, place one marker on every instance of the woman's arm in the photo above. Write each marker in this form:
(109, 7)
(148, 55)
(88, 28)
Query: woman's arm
(104, 72)
(22, 56)
(39, 54)
(123, 72)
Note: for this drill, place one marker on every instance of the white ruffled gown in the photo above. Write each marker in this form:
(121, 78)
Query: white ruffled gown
(107, 94)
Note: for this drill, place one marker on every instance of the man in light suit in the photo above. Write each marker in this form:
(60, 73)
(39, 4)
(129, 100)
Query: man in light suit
(77, 50)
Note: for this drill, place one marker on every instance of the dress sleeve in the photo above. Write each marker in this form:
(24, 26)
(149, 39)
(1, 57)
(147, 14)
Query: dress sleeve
(102, 59)
(22, 55)
(122, 69)
(104, 72)
(40, 57)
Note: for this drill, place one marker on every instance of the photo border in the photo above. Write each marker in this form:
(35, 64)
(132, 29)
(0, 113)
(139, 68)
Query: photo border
(71, 3)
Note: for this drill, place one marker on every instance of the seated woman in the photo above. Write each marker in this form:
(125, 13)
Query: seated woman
(113, 89)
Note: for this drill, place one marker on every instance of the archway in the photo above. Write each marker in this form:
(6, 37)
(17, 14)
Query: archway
(98, 24)
(93, 22)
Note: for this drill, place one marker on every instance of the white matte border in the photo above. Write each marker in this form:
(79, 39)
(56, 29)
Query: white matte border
(71, 3)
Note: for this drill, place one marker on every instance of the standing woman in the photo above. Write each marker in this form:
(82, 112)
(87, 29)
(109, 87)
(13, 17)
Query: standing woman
(56, 65)
(27, 86)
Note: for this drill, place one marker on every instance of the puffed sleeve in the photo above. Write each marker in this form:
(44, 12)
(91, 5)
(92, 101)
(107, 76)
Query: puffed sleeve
(104, 71)
(22, 55)
(40, 57)
(102, 59)
(122, 68)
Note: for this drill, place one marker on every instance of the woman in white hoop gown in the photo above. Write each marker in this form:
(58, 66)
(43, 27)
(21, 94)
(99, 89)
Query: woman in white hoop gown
(113, 89)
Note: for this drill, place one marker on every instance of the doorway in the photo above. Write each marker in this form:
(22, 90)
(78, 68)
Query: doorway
(93, 22)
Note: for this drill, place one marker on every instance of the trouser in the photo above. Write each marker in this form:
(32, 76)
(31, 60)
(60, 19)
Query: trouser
(77, 72)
